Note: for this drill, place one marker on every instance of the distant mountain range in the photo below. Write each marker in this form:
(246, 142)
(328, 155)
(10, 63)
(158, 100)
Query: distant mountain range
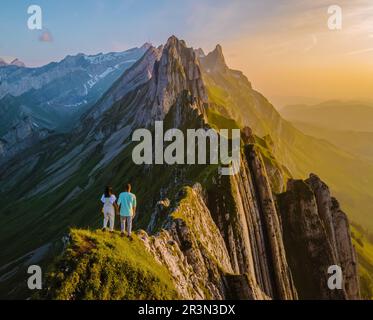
(37, 101)
(16, 62)
(355, 142)
(335, 115)
(348, 125)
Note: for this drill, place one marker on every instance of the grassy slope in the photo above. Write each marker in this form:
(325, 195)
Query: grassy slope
(98, 265)
(364, 250)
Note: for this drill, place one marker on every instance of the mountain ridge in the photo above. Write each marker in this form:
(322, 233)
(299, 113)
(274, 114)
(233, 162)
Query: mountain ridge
(15, 62)
(346, 115)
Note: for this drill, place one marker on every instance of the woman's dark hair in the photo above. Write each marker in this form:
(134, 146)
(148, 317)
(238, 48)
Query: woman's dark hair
(108, 191)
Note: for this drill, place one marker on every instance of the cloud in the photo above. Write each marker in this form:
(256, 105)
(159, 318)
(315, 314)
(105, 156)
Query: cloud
(360, 51)
(46, 36)
(313, 44)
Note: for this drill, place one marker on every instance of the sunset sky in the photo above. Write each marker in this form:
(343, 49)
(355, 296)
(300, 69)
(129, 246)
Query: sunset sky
(284, 47)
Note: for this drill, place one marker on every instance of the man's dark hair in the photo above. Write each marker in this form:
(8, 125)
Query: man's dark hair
(108, 191)
(127, 187)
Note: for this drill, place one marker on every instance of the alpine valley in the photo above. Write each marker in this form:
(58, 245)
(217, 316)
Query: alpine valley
(269, 232)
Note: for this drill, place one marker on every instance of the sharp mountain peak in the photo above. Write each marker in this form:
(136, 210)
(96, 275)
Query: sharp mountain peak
(18, 63)
(14, 62)
(215, 59)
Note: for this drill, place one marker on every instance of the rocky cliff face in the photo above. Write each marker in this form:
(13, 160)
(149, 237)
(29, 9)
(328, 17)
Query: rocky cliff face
(317, 236)
(230, 240)
(245, 211)
(177, 70)
(136, 76)
(19, 137)
(194, 250)
(147, 91)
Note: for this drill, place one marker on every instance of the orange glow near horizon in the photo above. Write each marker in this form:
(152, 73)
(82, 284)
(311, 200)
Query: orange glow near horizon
(297, 55)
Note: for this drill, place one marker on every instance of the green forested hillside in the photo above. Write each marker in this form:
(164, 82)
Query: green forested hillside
(363, 243)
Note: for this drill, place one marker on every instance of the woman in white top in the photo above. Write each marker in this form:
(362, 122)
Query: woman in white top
(108, 199)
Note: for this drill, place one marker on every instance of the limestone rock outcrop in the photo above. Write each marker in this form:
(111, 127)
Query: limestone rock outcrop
(317, 236)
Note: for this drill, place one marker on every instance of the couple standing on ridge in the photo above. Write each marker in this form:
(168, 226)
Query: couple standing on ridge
(125, 207)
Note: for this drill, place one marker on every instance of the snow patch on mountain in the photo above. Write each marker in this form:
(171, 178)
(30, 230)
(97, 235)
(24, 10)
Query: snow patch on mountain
(101, 58)
(78, 104)
(96, 78)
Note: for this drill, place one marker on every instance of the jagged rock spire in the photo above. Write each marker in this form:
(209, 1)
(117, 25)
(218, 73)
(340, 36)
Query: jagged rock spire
(317, 236)
(178, 70)
(215, 60)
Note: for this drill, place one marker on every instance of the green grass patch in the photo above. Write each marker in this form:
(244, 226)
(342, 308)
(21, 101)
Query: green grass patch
(364, 250)
(218, 121)
(103, 266)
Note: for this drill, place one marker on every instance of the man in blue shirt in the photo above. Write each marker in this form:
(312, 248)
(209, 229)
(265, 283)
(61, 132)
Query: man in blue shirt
(127, 210)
